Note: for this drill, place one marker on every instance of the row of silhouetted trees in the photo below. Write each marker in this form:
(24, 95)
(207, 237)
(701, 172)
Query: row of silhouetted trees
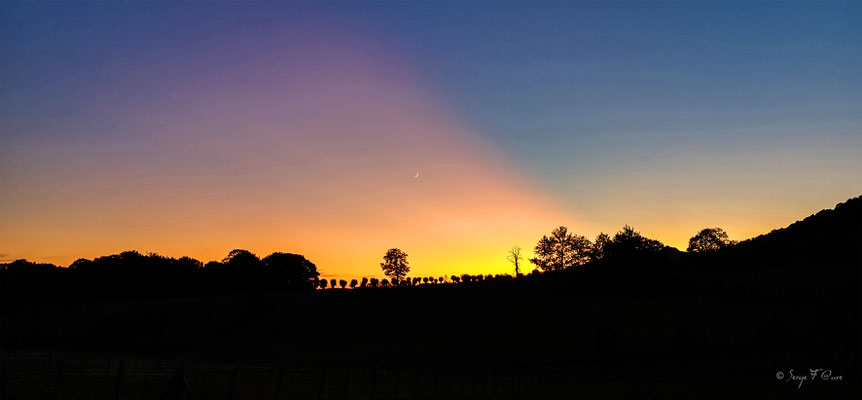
(132, 273)
(563, 249)
(408, 281)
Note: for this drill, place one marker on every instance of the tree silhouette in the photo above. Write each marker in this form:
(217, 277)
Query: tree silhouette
(240, 270)
(455, 278)
(384, 282)
(425, 280)
(561, 250)
(80, 263)
(188, 263)
(628, 242)
(364, 282)
(323, 283)
(374, 282)
(600, 246)
(242, 260)
(291, 270)
(353, 283)
(212, 266)
(515, 258)
(332, 283)
(342, 283)
(24, 266)
(709, 239)
(394, 264)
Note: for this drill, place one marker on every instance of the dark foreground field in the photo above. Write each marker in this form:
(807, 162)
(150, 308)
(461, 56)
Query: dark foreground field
(719, 325)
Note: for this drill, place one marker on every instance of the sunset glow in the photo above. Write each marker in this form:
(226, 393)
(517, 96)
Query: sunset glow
(303, 131)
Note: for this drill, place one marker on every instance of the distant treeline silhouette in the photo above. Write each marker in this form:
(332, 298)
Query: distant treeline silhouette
(132, 274)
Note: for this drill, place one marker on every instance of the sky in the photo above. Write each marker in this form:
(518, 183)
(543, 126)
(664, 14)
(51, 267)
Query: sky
(450, 130)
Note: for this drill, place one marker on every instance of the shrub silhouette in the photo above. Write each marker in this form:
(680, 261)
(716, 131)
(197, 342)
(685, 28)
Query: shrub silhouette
(353, 283)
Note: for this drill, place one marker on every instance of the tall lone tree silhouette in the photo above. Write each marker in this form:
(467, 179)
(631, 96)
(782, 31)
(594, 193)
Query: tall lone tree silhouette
(515, 258)
(561, 250)
(709, 239)
(394, 264)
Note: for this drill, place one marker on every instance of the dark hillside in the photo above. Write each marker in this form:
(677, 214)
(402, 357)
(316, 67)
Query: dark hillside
(827, 238)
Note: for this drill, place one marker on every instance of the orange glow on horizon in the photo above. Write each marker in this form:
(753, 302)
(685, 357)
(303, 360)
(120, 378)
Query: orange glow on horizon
(317, 158)
(313, 148)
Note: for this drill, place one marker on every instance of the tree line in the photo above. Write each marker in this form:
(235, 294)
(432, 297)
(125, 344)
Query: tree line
(563, 249)
(133, 273)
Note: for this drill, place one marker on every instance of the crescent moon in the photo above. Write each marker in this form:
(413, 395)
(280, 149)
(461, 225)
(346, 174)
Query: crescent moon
(417, 175)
